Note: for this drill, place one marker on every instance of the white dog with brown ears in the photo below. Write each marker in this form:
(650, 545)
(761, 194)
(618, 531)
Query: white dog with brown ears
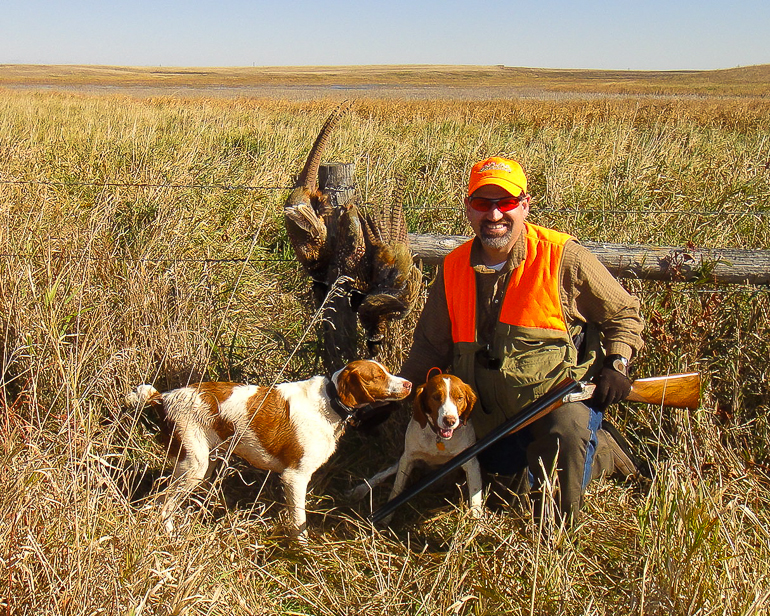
(291, 429)
(438, 431)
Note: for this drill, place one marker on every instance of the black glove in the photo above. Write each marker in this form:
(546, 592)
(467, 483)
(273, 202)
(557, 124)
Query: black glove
(612, 386)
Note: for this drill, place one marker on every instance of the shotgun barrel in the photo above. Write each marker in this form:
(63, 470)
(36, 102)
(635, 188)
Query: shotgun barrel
(679, 390)
(530, 413)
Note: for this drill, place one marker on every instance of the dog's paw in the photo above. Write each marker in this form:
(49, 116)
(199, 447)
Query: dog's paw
(358, 493)
(476, 513)
(300, 538)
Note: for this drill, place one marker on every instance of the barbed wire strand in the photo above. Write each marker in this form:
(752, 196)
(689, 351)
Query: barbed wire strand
(248, 260)
(152, 260)
(248, 187)
(141, 185)
(733, 288)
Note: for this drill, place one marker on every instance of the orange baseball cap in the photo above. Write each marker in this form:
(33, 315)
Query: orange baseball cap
(507, 174)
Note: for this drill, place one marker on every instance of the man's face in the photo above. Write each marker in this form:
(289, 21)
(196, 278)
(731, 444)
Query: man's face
(498, 231)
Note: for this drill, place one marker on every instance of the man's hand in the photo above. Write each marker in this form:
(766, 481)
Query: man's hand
(612, 386)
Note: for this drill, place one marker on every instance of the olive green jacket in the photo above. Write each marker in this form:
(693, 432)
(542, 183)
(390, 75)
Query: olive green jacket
(600, 315)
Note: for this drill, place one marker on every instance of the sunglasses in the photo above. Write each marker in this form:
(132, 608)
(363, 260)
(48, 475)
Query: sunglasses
(504, 204)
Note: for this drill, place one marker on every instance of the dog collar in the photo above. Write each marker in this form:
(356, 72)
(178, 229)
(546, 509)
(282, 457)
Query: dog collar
(345, 412)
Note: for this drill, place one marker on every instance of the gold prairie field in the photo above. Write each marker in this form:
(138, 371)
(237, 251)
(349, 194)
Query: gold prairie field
(142, 240)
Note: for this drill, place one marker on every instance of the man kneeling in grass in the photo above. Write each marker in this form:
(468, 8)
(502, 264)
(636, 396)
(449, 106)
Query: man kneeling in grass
(515, 311)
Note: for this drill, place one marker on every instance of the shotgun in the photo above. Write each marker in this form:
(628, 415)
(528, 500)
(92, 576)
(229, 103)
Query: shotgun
(678, 390)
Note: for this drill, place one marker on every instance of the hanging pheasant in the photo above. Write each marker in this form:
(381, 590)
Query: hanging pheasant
(394, 281)
(308, 215)
(369, 250)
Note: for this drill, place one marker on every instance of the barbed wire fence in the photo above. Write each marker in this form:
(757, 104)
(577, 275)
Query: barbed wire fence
(254, 261)
(263, 259)
(249, 187)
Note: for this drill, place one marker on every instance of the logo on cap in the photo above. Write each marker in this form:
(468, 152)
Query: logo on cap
(495, 166)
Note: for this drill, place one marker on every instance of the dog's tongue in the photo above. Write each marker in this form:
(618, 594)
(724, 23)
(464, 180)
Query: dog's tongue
(446, 433)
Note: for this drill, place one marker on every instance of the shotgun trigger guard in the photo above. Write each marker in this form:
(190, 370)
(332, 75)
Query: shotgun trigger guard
(586, 392)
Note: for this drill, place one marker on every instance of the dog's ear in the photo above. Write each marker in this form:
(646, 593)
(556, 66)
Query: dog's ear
(351, 388)
(419, 410)
(470, 402)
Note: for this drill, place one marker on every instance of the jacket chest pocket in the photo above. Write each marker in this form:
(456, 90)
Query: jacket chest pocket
(528, 362)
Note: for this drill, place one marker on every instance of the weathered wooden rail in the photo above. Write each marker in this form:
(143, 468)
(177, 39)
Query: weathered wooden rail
(718, 265)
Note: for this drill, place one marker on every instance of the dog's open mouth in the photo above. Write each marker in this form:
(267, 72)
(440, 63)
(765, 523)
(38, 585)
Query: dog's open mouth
(446, 433)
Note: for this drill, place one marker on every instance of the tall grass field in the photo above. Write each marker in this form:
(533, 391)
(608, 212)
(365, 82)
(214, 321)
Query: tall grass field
(142, 241)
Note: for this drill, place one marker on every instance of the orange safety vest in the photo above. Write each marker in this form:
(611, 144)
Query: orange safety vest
(532, 298)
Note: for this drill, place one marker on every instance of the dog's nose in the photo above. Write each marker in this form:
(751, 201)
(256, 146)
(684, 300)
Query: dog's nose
(450, 421)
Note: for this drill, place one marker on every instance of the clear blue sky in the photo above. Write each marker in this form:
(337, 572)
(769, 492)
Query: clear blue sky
(620, 34)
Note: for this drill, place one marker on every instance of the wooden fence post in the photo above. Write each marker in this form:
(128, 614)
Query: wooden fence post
(340, 324)
(337, 181)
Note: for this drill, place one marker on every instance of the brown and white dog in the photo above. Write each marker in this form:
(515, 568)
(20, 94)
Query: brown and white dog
(437, 432)
(291, 429)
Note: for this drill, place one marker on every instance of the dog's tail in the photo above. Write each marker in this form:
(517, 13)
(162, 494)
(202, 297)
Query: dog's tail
(143, 396)
(147, 397)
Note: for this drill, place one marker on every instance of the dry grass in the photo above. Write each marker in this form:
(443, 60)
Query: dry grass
(103, 286)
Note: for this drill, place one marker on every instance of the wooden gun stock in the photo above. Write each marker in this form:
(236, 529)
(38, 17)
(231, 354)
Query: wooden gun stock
(679, 390)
